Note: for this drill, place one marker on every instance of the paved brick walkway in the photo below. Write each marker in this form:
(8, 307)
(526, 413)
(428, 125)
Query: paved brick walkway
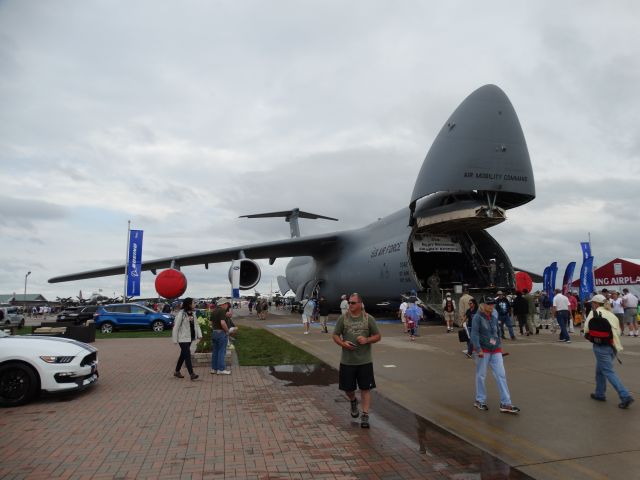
(140, 422)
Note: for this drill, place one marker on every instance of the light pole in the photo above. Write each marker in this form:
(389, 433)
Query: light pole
(24, 299)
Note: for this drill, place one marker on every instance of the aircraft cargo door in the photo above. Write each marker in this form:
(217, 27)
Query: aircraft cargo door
(459, 258)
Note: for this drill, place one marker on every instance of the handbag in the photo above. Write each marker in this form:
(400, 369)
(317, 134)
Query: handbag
(463, 337)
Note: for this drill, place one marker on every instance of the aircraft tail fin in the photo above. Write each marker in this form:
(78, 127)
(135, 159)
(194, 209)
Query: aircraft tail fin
(290, 216)
(283, 285)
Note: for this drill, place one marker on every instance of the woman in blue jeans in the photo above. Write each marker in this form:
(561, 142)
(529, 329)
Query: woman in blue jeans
(220, 325)
(485, 336)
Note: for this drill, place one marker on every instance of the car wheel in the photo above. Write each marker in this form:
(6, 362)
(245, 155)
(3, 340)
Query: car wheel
(18, 384)
(158, 326)
(106, 327)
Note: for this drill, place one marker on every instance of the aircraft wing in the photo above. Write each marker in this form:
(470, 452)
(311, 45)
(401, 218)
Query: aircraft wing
(290, 247)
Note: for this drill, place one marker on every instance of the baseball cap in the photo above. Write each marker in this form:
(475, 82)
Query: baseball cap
(222, 301)
(489, 300)
(599, 299)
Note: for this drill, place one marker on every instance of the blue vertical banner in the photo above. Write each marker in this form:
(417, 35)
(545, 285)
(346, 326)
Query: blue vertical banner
(586, 250)
(553, 270)
(568, 277)
(545, 279)
(586, 279)
(134, 263)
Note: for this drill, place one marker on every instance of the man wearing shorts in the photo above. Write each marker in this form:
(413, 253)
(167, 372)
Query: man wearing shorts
(355, 332)
(630, 304)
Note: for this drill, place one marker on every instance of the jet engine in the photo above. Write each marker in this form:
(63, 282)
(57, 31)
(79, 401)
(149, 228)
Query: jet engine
(249, 273)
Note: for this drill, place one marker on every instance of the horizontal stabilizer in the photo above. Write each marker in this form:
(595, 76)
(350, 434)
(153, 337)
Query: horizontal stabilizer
(287, 214)
(292, 217)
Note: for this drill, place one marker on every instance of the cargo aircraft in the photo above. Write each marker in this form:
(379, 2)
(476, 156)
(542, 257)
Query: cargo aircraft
(477, 168)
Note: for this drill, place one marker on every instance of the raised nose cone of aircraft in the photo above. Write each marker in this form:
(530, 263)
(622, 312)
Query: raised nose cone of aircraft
(480, 148)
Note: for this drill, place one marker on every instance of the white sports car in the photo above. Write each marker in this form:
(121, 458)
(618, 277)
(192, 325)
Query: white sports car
(30, 364)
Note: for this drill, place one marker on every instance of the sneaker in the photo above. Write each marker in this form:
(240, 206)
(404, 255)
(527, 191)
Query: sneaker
(355, 412)
(193, 376)
(213, 372)
(178, 375)
(567, 341)
(306, 333)
(224, 372)
(468, 355)
(364, 421)
(599, 399)
(626, 403)
(509, 409)
(480, 405)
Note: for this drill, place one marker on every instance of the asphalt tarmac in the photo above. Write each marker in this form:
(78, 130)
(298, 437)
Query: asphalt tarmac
(561, 433)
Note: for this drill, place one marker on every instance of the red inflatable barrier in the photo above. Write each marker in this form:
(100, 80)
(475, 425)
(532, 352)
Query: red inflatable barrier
(523, 280)
(171, 283)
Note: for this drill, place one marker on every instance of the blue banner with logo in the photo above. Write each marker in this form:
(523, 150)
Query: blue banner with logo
(586, 279)
(568, 277)
(553, 271)
(586, 250)
(546, 276)
(134, 263)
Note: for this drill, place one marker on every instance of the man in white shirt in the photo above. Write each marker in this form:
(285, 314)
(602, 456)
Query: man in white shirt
(403, 308)
(617, 309)
(560, 310)
(344, 305)
(630, 304)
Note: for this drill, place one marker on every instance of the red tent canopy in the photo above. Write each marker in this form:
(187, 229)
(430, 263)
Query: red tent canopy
(618, 273)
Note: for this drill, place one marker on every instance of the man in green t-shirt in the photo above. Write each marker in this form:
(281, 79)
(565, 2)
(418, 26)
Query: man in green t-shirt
(355, 331)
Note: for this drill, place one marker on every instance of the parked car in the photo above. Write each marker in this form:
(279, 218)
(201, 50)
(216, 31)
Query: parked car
(77, 315)
(33, 364)
(130, 315)
(10, 317)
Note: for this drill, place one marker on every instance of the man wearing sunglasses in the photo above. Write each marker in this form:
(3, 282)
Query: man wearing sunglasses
(355, 331)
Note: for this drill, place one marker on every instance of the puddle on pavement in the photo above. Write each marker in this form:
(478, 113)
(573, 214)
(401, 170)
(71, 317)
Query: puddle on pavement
(301, 375)
(405, 427)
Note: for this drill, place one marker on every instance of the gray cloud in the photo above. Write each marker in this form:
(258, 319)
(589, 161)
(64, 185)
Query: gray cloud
(181, 119)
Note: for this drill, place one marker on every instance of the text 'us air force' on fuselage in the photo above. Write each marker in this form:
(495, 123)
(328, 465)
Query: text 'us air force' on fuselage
(477, 168)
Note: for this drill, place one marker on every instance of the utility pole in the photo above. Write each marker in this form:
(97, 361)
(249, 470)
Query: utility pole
(24, 299)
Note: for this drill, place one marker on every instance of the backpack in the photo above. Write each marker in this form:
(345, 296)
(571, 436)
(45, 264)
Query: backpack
(600, 331)
(412, 313)
(449, 306)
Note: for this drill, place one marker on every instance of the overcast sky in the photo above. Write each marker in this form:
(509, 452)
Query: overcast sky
(181, 116)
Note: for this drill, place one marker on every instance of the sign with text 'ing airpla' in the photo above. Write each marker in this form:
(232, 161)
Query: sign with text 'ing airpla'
(134, 263)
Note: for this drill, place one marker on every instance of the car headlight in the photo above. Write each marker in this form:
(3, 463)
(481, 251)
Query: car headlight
(53, 359)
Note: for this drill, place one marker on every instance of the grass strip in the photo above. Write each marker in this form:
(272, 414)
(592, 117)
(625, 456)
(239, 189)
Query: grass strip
(259, 347)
